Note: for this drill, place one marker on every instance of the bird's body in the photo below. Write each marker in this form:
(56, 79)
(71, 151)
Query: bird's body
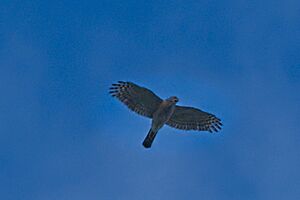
(146, 103)
(160, 117)
(163, 113)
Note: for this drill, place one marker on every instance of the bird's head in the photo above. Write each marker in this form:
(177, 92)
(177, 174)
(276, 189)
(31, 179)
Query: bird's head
(172, 99)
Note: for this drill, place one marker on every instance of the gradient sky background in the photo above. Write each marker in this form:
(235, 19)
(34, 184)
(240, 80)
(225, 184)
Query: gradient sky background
(63, 137)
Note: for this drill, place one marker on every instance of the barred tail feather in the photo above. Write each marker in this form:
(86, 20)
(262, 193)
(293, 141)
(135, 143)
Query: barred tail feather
(149, 139)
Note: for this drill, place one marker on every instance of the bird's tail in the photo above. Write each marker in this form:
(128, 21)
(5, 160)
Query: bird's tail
(149, 138)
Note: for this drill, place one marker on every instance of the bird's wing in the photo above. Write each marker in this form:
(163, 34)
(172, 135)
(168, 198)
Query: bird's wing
(139, 99)
(188, 118)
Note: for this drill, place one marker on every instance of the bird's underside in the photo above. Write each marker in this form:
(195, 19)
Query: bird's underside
(144, 102)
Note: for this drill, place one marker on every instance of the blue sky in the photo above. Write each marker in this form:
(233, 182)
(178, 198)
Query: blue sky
(63, 137)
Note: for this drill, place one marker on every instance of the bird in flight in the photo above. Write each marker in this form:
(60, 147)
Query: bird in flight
(144, 102)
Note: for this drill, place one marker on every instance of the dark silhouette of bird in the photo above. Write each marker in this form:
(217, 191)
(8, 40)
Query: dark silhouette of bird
(144, 102)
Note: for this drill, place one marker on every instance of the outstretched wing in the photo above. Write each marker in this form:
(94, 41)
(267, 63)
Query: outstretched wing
(188, 118)
(139, 99)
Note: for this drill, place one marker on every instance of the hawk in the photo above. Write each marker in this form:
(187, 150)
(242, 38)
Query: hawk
(144, 102)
